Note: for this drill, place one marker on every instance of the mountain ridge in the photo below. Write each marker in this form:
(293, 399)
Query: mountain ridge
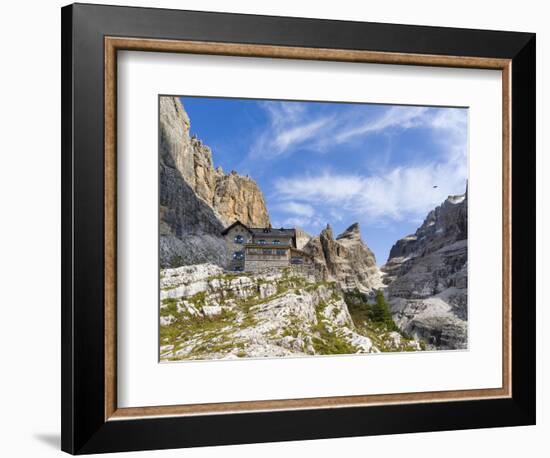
(198, 201)
(426, 277)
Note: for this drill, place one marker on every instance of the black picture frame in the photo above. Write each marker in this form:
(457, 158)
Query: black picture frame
(84, 428)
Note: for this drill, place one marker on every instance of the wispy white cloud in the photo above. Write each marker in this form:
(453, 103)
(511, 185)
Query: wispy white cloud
(292, 213)
(314, 223)
(402, 117)
(297, 208)
(293, 126)
(391, 192)
(401, 193)
(408, 192)
(450, 129)
(297, 135)
(451, 119)
(289, 128)
(326, 187)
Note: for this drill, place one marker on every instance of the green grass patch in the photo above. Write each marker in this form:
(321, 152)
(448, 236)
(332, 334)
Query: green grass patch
(186, 327)
(325, 341)
(169, 307)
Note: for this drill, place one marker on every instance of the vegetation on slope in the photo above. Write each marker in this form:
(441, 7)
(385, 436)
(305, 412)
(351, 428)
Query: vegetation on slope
(375, 321)
(190, 330)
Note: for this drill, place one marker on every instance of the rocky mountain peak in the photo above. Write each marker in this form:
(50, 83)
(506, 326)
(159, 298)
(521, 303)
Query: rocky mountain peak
(197, 200)
(346, 260)
(231, 196)
(236, 197)
(351, 234)
(427, 277)
(327, 232)
(443, 225)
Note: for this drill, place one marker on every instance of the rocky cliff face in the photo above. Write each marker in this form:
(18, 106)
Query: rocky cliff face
(231, 196)
(208, 314)
(196, 200)
(426, 275)
(239, 198)
(346, 259)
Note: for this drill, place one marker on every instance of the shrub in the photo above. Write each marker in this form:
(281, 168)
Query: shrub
(176, 261)
(363, 313)
(379, 312)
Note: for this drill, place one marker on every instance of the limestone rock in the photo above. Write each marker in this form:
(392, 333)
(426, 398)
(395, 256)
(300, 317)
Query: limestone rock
(346, 259)
(239, 198)
(231, 196)
(302, 238)
(192, 249)
(268, 314)
(187, 280)
(196, 200)
(426, 275)
(175, 149)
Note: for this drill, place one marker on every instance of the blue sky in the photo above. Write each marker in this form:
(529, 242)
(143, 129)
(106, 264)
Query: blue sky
(340, 163)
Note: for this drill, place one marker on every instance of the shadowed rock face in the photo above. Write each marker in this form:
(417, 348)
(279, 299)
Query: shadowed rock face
(196, 200)
(231, 196)
(427, 276)
(345, 259)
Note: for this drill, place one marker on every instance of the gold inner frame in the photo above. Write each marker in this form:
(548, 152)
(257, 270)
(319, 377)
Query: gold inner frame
(114, 44)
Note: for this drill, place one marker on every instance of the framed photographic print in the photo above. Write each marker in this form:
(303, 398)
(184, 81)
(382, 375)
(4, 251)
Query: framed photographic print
(281, 228)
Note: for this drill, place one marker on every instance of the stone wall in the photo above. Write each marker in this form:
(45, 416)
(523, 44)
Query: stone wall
(233, 247)
(313, 271)
(259, 264)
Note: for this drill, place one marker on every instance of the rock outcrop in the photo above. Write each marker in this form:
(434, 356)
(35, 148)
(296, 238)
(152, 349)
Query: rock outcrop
(238, 197)
(302, 238)
(196, 200)
(208, 314)
(346, 259)
(231, 196)
(426, 274)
